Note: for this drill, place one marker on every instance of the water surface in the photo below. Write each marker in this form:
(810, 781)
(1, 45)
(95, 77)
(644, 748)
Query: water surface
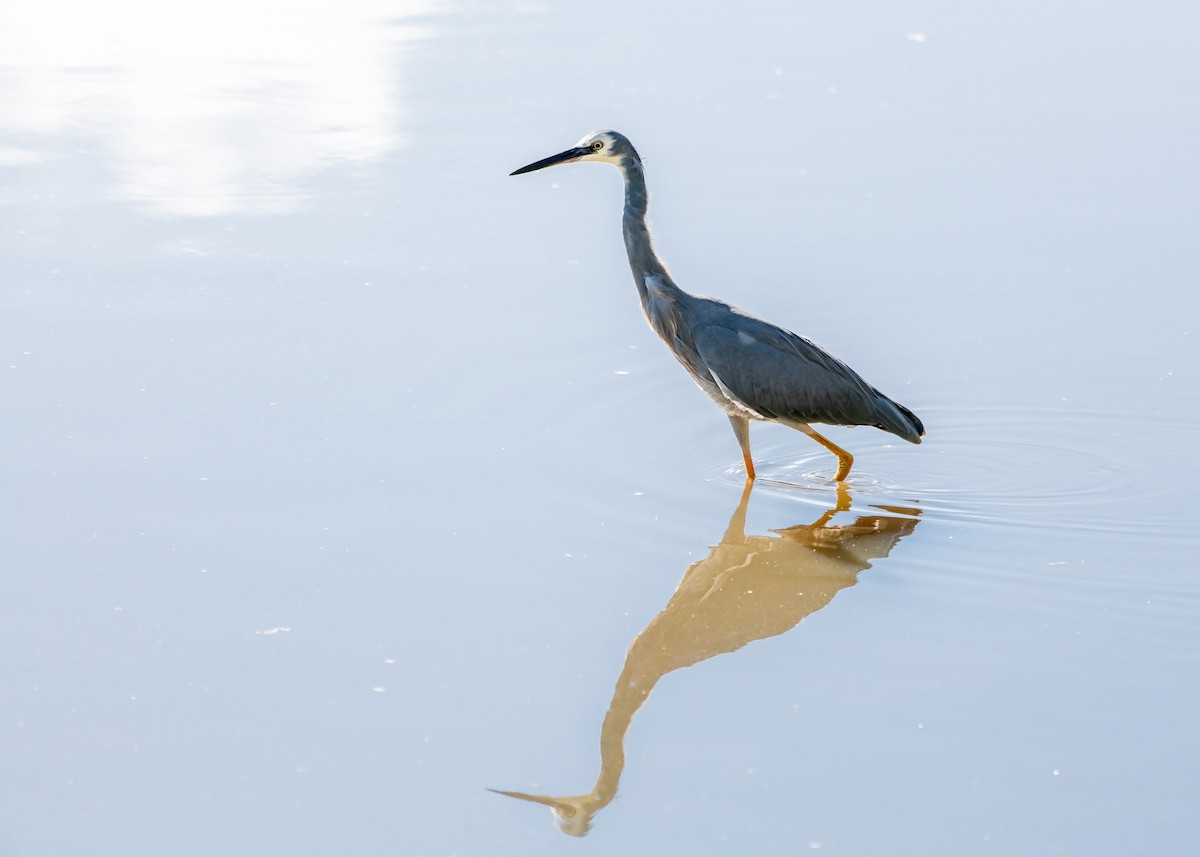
(344, 483)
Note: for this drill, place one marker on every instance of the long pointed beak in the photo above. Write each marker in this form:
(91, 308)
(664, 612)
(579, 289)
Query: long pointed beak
(561, 158)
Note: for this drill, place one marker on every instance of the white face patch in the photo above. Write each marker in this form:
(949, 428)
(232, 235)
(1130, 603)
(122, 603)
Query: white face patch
(605, 155)
(593, 137)
(745, 338)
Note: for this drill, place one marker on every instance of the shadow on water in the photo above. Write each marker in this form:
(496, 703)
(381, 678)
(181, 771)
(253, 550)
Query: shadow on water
(748, 588)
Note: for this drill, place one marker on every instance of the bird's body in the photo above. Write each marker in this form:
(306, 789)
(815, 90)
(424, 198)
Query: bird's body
(752, 369)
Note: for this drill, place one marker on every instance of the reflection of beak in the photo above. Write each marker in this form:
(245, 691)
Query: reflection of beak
(553, 803)
(570, 813)
(561, 158)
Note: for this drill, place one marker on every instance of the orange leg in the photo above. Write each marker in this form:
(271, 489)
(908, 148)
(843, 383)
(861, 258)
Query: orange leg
(741, 430)
(845, 459)
(750, 474)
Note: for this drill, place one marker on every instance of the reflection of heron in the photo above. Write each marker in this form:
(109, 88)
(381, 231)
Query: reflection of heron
(752, 369)
(747, 588)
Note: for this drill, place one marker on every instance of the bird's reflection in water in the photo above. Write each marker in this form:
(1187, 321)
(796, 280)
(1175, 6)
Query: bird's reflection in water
(748, 588)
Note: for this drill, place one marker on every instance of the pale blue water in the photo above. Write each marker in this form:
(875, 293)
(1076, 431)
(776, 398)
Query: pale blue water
(343, 480)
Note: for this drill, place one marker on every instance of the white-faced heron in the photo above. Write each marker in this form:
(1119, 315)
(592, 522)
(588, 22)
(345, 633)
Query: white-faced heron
(751, 368)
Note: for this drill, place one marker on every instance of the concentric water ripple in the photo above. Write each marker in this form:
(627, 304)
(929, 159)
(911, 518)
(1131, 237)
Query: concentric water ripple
(1030, 468)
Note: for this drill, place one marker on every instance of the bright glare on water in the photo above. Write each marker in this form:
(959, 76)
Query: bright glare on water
(347, 491)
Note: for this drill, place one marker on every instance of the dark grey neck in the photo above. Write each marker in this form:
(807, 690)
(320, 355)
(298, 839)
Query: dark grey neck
(643, 261)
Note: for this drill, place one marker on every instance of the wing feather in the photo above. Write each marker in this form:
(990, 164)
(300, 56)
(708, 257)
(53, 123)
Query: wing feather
(775, 373)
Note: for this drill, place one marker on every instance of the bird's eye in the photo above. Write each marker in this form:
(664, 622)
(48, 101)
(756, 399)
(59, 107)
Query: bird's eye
(597, 146)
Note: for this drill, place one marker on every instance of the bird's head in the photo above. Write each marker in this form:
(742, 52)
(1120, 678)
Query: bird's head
(604, 146)
(572, 815)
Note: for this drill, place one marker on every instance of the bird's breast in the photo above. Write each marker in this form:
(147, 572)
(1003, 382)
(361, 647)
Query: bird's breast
(661, 309)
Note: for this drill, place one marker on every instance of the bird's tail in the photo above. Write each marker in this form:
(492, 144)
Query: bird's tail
(899, 420)
(912, 418)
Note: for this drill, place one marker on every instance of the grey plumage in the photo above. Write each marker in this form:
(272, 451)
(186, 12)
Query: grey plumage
(751, 368)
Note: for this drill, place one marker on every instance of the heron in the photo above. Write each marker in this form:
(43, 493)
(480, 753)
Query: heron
(752, 369)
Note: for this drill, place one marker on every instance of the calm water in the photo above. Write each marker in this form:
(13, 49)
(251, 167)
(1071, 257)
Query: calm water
(343, 481)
